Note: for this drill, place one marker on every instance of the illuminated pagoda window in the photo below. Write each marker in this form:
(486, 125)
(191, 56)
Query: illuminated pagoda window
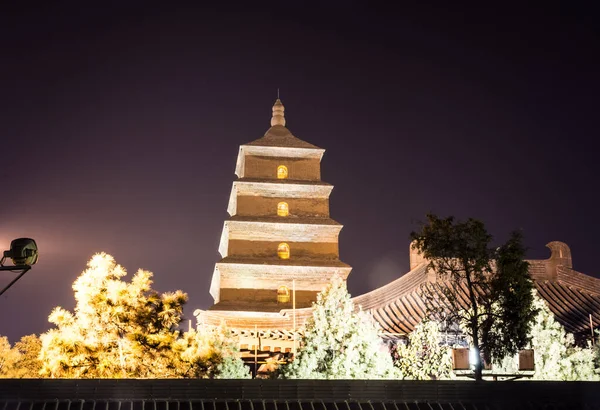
(283, 209)
(283, 294)
(282, 172)
(283, 251)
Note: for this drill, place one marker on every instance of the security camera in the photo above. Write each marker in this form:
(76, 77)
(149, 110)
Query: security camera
(23, 251)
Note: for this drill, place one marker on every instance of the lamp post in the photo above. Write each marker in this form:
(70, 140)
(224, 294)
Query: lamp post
(23, 253)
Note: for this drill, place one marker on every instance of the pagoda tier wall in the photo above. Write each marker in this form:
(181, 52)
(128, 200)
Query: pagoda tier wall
(267, 298)
(270, 280)
(303, 169)
(302, 207)
(268, 249)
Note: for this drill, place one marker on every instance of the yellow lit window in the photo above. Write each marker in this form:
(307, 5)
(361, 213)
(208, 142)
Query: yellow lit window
(282, 172)
(283, 294)
(283, 251)
(282, 209)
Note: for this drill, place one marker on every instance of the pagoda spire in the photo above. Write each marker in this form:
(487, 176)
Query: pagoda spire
(278, 117)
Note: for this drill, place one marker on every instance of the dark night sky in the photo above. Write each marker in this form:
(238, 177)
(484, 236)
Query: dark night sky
(120, 127)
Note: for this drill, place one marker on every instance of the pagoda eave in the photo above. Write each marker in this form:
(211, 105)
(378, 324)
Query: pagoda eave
(276, 189)
(261, 230)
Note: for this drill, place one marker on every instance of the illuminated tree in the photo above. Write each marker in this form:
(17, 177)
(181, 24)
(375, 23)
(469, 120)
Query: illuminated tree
(8, 358)
(213, 351)
(555, 353)
(424, 356)
(499, 310)
(120, 329)
(340, 342)
(29, 364)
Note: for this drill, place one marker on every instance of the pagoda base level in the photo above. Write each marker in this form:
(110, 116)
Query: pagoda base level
(262, 300)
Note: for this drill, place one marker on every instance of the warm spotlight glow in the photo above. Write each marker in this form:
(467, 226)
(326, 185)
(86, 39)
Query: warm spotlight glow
(282, 172)
(282, 209)
(283, 294)
(283, 251)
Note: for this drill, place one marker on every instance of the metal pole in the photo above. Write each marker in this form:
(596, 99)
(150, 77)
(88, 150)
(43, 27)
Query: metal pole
(592, 329)
(256, 351)
(25, 269)
(294, 310)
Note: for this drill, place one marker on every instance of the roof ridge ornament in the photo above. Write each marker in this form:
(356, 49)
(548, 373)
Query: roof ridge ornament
(278, 116)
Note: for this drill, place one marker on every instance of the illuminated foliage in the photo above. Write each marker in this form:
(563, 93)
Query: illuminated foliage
(499, 309)
(423, 357)
(339, 342)
(8, 358)
(556, 355)
(21, 360)
(121, 329)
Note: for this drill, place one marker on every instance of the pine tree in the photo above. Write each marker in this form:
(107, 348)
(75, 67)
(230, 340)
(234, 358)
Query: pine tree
(556, 355)
(120, 329)
(424, 357)
(8, 358)
(29, 364)
(212, 352)
(340, 342)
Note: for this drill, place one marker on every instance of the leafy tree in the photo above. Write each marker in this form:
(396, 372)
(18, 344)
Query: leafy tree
(499, 310)
(28, 365)
(8, 358)
(213, 351)
(339, 342)
(120, 329)
(424, 357)
(555, 353)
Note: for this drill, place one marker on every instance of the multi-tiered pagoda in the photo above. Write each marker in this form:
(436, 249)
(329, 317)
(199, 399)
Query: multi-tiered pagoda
(280, 237)
(279, 247)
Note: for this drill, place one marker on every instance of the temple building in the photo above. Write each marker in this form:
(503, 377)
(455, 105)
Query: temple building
(279, 249)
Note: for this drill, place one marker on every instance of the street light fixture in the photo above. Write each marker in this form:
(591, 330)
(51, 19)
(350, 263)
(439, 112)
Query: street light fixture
(23, 253)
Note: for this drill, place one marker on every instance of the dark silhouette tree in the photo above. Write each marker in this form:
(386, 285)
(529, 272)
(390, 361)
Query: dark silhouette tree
(498, 311)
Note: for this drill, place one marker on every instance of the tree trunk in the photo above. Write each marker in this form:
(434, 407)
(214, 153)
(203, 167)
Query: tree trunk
(479, 363)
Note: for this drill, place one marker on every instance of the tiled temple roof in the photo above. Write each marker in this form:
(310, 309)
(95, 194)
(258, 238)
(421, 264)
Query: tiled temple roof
(398, 306)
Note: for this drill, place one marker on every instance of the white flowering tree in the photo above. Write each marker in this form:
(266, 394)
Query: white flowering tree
(423, 357)
(121, 329)
(340, 342)
(556, 355)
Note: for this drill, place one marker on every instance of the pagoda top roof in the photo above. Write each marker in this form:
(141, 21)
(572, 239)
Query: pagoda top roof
(278, 135)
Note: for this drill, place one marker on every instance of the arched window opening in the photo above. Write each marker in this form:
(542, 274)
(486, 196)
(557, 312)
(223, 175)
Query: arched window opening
(283, 294)
(282, 172)
(283, 251)
(283, 209)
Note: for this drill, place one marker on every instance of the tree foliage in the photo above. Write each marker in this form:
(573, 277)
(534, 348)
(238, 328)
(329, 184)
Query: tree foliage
(340, 342)
(20, 361)
(8, 358)
(122, 329)
(556, 355)
(424, 356)
(213, 351)
(498, 310)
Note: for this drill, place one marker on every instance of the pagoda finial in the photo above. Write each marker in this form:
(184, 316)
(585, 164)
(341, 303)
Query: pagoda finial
(278, 117)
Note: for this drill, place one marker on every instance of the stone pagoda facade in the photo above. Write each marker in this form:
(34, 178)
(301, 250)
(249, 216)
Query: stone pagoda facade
(279, 246)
